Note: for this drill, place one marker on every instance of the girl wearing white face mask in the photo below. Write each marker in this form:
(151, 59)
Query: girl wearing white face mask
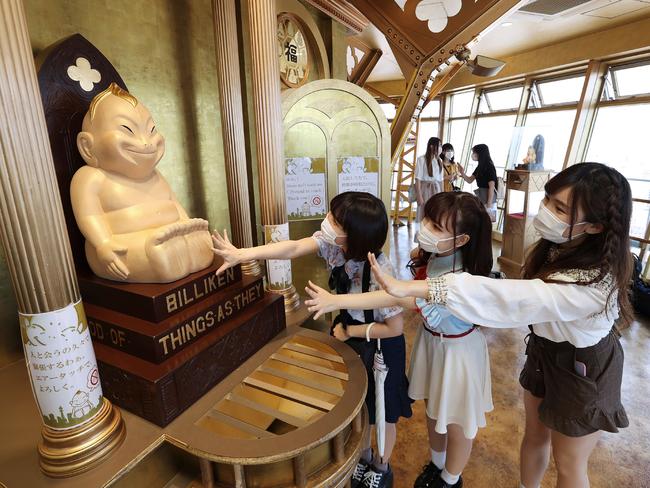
(356, 225)
(449, 366)
(450, 168)
(575, 288)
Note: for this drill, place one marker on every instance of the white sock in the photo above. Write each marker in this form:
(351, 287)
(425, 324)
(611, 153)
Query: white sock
(438, 458)
(449, 478)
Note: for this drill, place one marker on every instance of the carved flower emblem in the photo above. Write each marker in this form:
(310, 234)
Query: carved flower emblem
(434, 12)
(84, 74)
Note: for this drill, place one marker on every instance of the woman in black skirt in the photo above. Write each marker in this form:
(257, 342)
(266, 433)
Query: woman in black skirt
(576, 287)
(356, 225)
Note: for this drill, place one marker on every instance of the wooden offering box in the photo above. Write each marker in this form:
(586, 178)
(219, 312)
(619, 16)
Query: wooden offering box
(293, 415)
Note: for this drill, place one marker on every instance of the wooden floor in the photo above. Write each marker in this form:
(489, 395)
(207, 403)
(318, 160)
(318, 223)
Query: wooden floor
(620, 460)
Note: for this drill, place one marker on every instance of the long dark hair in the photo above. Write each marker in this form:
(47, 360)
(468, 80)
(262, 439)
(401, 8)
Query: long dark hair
(461, 213)
(447, 147)
(363, 218)
(432, 151)
(484, 158)
(606, 199)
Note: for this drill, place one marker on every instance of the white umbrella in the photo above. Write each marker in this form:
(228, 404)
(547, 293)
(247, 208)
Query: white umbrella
(380, 371)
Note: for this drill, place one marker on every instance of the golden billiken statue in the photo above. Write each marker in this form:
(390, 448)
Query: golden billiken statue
(135, 229)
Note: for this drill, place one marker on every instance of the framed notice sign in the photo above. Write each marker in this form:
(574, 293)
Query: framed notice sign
(305, 188)
(358, 173)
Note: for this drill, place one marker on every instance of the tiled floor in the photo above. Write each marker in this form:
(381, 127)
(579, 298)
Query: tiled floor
(619, 460)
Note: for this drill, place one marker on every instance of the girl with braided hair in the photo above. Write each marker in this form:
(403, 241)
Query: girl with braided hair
(575, 288)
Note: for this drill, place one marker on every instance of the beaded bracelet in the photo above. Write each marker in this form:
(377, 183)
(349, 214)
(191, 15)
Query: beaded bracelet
(437, 290)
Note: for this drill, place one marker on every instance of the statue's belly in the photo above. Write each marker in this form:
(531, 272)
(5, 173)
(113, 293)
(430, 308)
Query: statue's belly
(149, 215)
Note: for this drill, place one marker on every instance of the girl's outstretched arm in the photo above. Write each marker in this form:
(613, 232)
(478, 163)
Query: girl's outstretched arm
(500, 303)
(516, 303)
(323, 302)
(232, 256)
(398, 288)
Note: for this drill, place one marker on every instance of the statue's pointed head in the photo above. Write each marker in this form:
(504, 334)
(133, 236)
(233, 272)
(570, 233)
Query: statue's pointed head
(119, 135)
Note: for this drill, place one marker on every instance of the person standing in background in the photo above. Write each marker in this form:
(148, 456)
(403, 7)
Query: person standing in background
(428, 175)
(485, 176)
(450, 170)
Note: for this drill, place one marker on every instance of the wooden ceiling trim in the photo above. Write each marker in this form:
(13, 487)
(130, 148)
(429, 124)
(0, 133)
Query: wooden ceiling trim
(343, 12)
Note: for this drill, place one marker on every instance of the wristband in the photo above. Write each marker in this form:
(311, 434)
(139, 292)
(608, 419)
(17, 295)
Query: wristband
(368, 327)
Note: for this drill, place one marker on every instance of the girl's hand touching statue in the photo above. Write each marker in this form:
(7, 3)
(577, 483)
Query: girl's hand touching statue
(224, 248)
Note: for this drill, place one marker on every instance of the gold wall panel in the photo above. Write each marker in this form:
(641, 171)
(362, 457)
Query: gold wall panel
(165, 52)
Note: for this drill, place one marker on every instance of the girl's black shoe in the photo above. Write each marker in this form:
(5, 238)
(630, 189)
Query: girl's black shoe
(378, 479)
(360, 471)
(429, 474)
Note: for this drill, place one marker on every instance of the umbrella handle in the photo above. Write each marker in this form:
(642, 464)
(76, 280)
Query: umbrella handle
(379, 344)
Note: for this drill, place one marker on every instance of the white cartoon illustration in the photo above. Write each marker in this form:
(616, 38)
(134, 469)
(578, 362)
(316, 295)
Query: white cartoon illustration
(299, 166)
(80, 404)
(354, 165)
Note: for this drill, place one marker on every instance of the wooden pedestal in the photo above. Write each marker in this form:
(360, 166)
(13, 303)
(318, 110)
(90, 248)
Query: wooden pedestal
(160, 392)
(156, 301)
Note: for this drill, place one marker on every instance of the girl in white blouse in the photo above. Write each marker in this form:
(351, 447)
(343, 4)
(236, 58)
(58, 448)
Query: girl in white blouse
(576, 287)
(450, 365)
(428, 175)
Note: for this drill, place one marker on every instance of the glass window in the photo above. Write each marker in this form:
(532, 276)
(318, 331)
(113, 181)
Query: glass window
(456, 136)
(496, 132)
(497, 100)
(555, 130)
(632, 80)
(427, 129)
(389, 110)
(432, 110)
(461, 103)
(553, 92)
(619, 139)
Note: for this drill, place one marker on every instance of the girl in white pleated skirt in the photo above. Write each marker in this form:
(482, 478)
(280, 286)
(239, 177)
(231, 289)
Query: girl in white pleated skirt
(450, 366)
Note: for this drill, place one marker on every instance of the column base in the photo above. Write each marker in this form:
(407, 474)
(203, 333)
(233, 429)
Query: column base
(65, 453)
(291, 297)
(251, 268)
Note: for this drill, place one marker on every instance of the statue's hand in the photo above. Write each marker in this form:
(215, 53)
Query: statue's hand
(109, 255)
(224, 248)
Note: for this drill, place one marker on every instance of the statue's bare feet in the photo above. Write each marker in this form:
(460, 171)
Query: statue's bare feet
(199, 245)
(180, 248)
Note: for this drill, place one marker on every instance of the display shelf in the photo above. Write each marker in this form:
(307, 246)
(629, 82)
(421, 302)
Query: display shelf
(524, 191)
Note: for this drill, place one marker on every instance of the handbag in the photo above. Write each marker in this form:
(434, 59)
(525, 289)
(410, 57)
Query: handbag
(412, 196)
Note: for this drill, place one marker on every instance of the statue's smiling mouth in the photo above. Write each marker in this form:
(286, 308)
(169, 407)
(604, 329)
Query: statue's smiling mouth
(141, 151)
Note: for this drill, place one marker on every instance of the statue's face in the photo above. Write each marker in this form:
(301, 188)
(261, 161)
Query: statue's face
(531, 153)
(122, 139)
